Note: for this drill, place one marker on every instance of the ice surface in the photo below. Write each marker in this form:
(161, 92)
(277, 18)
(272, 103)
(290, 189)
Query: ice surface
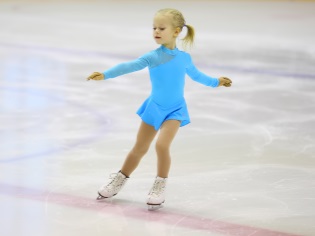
(243, 167)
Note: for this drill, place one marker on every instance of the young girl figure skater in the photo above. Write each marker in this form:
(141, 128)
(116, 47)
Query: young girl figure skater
(165, 109)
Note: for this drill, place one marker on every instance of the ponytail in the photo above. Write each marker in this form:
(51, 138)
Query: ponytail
(188, 40)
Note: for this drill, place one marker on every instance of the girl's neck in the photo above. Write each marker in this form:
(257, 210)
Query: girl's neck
(170, 46)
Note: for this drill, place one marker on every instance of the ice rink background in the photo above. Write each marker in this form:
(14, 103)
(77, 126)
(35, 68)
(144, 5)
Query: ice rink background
(243, 167)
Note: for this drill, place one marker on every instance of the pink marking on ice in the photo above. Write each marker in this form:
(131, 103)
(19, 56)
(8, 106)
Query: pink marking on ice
(127, 210)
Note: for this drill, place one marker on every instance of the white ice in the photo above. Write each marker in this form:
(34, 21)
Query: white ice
(243, 167)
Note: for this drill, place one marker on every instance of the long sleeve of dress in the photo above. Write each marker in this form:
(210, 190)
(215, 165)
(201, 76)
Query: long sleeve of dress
(200, 77)
(127, 67)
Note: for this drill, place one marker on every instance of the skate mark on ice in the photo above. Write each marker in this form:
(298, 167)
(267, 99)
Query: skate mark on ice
(84, 139)
(97, 54)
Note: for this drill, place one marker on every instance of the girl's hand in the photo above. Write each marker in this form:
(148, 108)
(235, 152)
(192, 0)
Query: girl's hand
(96, 76)
(224, 81)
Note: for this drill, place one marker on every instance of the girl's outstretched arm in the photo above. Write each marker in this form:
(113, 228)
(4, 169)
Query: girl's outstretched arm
(123, 68)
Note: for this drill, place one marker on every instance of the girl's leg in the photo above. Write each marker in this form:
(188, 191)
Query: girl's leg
(163, 143)
(145, 136)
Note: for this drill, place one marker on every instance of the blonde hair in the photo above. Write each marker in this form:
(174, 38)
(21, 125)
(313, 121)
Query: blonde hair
(179, 21)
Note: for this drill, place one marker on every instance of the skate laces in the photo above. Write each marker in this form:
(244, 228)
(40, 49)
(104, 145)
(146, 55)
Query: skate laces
(158, 187)
(116, 181)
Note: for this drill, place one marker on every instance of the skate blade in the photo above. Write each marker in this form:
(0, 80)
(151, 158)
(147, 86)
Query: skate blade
(154, 207)
(100, 197)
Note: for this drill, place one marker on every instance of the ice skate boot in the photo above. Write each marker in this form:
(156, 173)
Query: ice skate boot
(115, 184)
(156, 195)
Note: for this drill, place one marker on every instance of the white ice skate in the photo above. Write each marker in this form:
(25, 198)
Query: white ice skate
(156, 195)
(115, 184)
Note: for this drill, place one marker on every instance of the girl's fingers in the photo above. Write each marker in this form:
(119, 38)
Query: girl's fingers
(228, 80)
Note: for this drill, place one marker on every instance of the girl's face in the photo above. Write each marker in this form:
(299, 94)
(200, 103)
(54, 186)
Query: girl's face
(164, 32)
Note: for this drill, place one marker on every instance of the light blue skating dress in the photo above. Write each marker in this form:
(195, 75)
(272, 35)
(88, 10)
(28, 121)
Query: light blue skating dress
(167, 73)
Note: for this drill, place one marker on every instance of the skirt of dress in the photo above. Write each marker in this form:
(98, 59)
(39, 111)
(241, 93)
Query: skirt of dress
(154, 114)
